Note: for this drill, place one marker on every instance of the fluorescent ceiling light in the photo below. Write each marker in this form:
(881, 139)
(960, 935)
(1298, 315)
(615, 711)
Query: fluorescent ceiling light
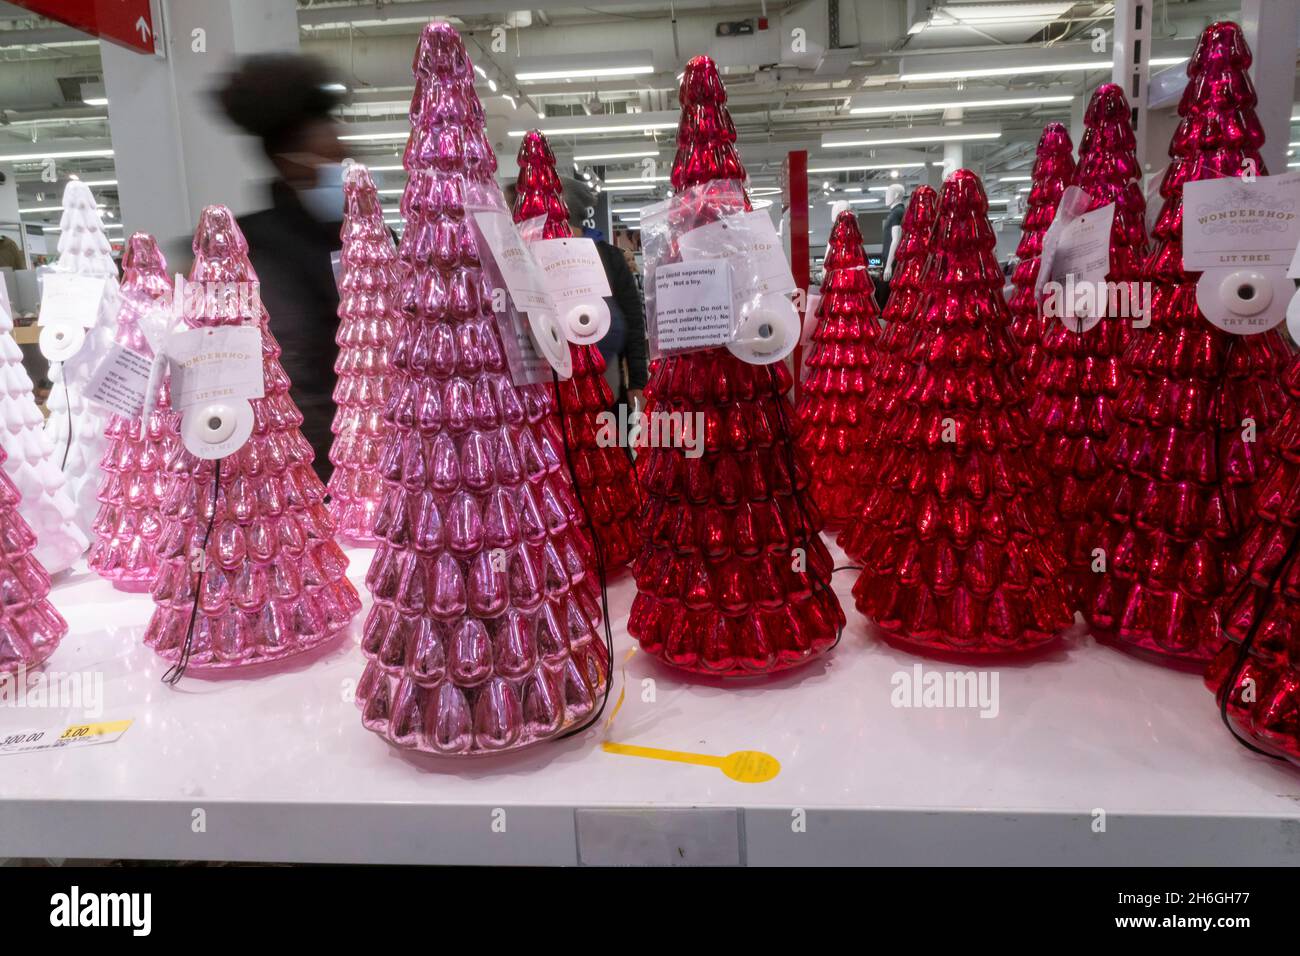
(880, 104)
(622, 209)
(610, 123)
(387, 169)
(639, 179)
(630, 153)
(374, 137)
(765, 191)
(98, 182)
(38, 156)
(39, 209)
(965, 66)
(532, 69)
(855, 202)
(649, 187)
(991, 14)
(911, 134)
(1015, 178)
(863, 168)
(95, 101)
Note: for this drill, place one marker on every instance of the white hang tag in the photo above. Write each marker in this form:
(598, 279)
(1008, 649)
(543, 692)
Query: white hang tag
(336, 266)
(752, 239)
(210, 364)
(61, 342)
(218, 428)
(155, 325)
(1244, 301)
(1079, 266)
(1074, 203)
(1293, 270)
(70, 299)
(1235, 223)
(693, 305)
(575, 278)
(121, 381)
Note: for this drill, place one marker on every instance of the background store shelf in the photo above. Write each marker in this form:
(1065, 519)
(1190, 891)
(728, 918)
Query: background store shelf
(282, 769)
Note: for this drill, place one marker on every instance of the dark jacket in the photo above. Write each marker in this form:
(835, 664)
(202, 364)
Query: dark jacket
(626, 338)
(290, 251)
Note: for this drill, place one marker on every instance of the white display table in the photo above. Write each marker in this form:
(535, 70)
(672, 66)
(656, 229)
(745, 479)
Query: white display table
(279, 767)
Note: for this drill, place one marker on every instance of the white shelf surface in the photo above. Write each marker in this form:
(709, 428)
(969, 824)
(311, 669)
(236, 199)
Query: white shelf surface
(281, 768)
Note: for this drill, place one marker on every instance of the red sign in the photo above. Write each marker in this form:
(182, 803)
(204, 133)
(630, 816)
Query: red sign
(128, 23)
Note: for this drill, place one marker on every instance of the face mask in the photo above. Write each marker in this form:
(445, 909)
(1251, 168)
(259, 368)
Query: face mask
(324, 201)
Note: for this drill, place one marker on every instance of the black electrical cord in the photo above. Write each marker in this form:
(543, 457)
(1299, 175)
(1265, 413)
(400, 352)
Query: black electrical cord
(177, 670)
(67, 400)
(600, 567)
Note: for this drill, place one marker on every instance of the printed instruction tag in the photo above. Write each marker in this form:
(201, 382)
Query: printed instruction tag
(208, 364)
(121, 381)
(70, 299)
(1231, 222)
(336, 265)
(693, 306)
(572, 269)
(1293, 271)
(751, 238)
(77, 735)
(518, 268)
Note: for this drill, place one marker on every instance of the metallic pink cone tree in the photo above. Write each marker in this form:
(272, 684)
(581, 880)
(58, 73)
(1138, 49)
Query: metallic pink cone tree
(268, 581)
(733, 579)
(30, 627)
(32, 463)
(833, 423)
(369, 279)
(1182, 467)
(1076, 379)
(128, 524)
(1052, 173)
(604, 472)
(483, 634)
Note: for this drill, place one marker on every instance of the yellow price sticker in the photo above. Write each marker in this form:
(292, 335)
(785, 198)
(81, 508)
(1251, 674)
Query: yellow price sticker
(78, 731)
(744, 766)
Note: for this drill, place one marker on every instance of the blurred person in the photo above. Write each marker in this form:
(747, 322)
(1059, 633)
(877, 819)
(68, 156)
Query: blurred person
(11, 254)
(286, 101)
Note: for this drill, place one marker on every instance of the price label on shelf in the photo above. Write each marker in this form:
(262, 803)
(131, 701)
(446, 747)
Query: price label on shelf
(1232, 222)
(217, 363)
(69, 299)
(63, 738)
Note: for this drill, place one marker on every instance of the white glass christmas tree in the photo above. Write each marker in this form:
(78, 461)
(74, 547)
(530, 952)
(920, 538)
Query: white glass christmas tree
(31, 463)
(75, 424)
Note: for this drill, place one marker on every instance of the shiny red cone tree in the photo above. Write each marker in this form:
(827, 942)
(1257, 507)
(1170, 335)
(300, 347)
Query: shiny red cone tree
(605, 478)
(957, 546)
(268, 581)
(733, 579)
(891, 365)
(833, 424)
(483, 634)
(1183, 462)
(1076, 379)
(1256, 674)
(130, 495)
(368, 284)
(1053, 171)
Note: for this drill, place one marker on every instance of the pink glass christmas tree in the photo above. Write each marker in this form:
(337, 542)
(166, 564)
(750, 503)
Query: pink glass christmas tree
(604, 472)
(833, 424)
(957, 547)
(483, 634)
(733, 578)
(248, 568)
(369, 277)
(75, 423)
(1053, 171)
(30, 627)
(33, 463)
(1076, 379)
(127, 526)
(892, 365)
(1187, 451)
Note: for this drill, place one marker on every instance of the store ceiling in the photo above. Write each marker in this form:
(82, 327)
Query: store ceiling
(790, 84)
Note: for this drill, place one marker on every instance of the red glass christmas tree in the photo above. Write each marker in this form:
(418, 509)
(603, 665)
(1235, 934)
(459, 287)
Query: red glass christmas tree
(130, 496)
(1256, 674)
(1075, 380)
(1053, 171)
(249, 571)
(891, 365)
(957, 546)
(604, 474)
(369, 279)
(482, 637)
(30, 627)
(1185, 457)
(833, 425)
(733, 579)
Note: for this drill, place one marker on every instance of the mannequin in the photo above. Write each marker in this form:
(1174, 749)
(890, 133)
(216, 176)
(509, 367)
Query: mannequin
(893, 225)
